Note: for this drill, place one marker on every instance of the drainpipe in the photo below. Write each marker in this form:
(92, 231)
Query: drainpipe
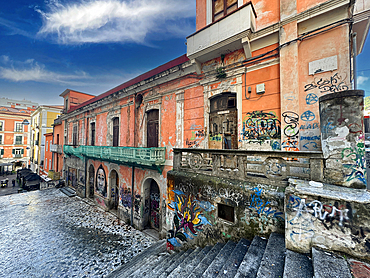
(132, 195)
(354, 60)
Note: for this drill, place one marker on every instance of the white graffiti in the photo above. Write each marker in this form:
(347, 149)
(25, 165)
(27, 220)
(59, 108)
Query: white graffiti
(230, 194)
(318, 210)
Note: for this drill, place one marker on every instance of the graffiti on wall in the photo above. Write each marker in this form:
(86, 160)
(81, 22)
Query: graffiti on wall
(154, 209)
(259, 125)
(126, 199)
(356, 165)
(197, 137)
(261, 206)
(188, 219)
(332, 84)
(302, 225)
(291, 131)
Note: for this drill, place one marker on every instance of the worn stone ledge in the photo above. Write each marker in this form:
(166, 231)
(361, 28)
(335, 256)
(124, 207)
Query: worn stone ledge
(334, 192)
(332, 218)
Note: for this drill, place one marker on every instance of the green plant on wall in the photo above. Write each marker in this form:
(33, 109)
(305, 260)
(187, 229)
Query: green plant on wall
(220, 73)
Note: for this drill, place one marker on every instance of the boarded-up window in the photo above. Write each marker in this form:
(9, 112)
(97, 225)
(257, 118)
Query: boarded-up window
(152, 128)
(223, 7)
(115, 132)
(74, 136)
(92, 134)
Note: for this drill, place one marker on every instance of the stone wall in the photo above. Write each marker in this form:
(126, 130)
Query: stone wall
(330, 217)
(204, 210)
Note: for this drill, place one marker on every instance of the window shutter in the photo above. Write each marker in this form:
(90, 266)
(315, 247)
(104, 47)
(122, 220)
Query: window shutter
(2, 151)
(22, 151)
(13, 151)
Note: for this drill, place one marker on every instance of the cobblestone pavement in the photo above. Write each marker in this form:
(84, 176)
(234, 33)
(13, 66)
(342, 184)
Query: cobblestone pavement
(47, 234)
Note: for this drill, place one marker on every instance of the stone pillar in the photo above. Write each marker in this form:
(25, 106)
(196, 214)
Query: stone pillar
(342, 137)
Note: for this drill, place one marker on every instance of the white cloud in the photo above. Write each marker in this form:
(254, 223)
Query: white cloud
(361, 80)
(117, 20)
(30, 70)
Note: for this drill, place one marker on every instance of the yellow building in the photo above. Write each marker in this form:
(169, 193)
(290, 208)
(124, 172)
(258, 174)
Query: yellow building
(41, 123)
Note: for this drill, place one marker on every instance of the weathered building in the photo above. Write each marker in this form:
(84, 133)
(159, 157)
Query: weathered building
(236, 117)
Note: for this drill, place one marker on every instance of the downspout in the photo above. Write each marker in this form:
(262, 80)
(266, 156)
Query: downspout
(354, 39)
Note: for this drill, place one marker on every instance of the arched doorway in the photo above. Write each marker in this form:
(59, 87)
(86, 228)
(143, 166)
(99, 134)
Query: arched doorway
(154, 205)
(114, 184)
(91, 182)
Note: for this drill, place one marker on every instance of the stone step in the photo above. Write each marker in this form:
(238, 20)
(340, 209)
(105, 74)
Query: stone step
(190, 267)
(232, 264)
(272, 265)
(181, 268)
(68, 191)
(175, 264)
(206, 261)
(297, 265)
(218, 262)
(126, 269)
(164, 265)
(147, 267)
(252, 259)
(328, 265)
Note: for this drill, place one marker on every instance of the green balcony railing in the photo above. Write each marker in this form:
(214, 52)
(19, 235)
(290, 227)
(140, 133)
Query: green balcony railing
(144, 157)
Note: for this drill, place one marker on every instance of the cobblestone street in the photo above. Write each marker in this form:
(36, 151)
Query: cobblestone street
(47, 234)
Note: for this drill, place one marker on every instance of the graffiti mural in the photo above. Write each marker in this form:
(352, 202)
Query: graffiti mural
(101, 182)
(261, 125)
(188, 219)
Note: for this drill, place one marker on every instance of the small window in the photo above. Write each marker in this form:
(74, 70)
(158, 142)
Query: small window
(1, 125)
(18, 140)
(46, 163)
(223, 7)
(18, 127)
(226, 212)
(92, 134)
(1, 139)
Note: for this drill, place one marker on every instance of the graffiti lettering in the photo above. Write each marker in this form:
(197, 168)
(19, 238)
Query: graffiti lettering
(263, 207)
(310, 138)
(291, 119)
(333, 84)
(309, 126)
(196, 138)
(357, 162)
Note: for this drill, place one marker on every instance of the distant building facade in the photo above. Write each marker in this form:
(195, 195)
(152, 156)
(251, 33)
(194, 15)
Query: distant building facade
(41, 123)
(14, 137)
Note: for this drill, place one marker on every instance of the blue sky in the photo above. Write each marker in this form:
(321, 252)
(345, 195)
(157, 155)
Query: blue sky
(93, 46)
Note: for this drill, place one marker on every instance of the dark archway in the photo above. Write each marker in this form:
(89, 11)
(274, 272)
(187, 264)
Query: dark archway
(91, 182)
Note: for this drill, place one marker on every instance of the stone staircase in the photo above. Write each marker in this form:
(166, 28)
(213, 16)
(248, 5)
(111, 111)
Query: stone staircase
(259, 258)
(68, 191)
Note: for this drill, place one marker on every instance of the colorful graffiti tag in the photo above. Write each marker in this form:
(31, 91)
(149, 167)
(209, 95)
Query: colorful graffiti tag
(188, 219)
(357, 166)
(262, 207)
(261, 125)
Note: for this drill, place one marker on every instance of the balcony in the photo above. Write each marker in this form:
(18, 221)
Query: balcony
(153, 158)
(258, 167)
(18, 155)
(222, 36)
(56, 148)
(18, 143)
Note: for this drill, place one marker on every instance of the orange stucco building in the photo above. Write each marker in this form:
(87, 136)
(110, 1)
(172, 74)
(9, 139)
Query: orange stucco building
(250, 80)
(14, 137)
